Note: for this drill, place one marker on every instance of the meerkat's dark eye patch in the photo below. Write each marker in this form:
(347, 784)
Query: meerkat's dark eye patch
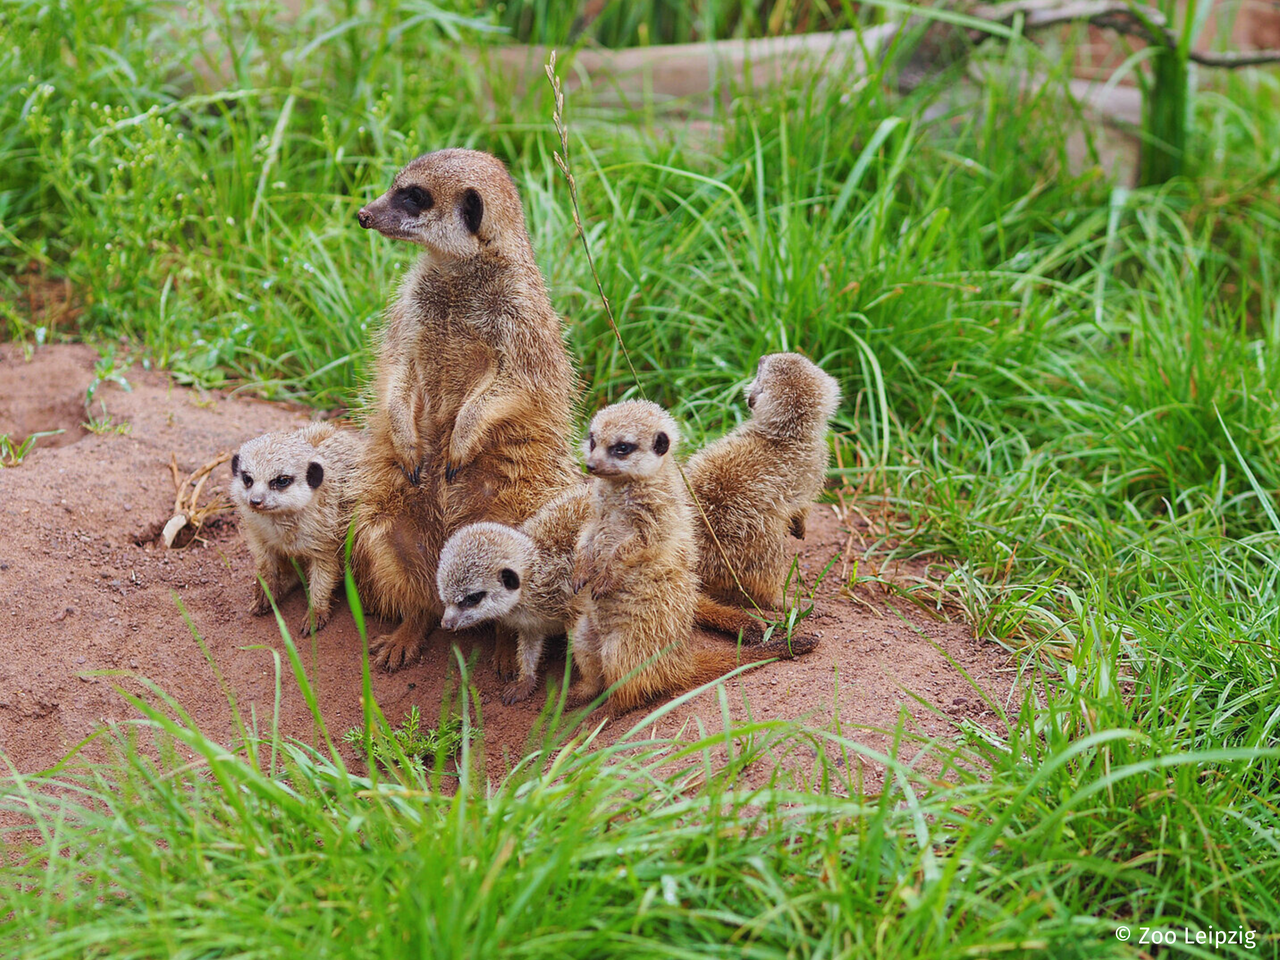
(315, 474)
(622, 449)
(591, 441)
(472, 599)
(246, 480)
(414, 200)
(235, 464)
(472, 210)
(510, 579)
(661, 443)
(281, 482)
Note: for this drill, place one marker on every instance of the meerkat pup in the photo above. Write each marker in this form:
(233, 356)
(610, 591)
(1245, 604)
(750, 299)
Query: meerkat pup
(520, 577)
(635, 569)
(474, 389)
(523, 579)
(294, 493)
(756, 484)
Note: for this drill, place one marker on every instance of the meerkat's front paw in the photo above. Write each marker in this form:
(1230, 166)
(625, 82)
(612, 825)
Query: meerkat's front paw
(313, 624)
(519, 690)
(261, 605)
(394, 651)
(412, 474)
(602, 585)
(505, 661)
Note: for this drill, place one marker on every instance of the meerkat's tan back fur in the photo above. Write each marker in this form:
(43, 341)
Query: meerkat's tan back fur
(635, 568)
(295, 492)
(756, 484)
(474, 388)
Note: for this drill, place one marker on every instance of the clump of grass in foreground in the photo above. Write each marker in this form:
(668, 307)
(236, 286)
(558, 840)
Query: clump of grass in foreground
(647, 847)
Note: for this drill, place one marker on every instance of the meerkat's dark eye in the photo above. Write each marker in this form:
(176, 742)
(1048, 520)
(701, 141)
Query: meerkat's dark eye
(414, 200)
(280, 483)
(591, 441)
(621, 449)
(248, 480)
(472, 599)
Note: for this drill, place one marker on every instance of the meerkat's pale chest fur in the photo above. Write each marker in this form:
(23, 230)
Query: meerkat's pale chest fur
(294, 492)
(474, 388)
(756, 484)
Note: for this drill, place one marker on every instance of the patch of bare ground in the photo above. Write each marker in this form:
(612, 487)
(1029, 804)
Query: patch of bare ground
(87, 586)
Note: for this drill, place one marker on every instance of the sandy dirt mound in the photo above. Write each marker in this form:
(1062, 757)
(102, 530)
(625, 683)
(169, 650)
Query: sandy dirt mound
(85, 586)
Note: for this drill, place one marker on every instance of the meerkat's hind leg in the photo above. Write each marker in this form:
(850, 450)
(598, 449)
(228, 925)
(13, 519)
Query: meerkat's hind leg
(324, 577)
(400, 648)
(585, 650)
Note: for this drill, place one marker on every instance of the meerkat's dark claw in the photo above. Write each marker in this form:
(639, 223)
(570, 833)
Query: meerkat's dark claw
(414, 476)
(451, 472)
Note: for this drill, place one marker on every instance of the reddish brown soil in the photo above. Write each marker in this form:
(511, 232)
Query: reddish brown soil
(85, 586)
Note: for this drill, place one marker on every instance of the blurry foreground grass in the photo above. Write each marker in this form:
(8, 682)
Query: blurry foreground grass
(1065, 387)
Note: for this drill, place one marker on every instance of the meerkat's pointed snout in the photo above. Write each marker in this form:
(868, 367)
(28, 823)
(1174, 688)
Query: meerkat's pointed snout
(365, 218)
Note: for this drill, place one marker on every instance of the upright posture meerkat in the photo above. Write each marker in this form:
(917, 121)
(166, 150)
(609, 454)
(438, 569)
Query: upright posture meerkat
(294, 493)
(635, 569)
(756, 484)
(474, 388)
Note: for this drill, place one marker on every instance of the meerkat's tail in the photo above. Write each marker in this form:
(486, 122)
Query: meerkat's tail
(715, 659)
(738, 622)
(723, 618)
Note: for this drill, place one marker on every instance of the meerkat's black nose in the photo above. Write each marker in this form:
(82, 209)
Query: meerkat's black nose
(256, 501)
(591, 468)
(365, 218)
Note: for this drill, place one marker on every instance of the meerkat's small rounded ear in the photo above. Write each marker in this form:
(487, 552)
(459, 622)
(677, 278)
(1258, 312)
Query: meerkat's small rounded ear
(235, 464)
(510, 579)
(315, 474)
(661, 443)
(472, 209)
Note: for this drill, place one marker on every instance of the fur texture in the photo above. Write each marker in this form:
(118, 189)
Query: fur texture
(756, 484)
(634, 571)
(295, 493)
(520, 577)
(474, 389)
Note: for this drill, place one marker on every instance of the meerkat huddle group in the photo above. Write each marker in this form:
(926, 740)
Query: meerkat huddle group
(469, 507)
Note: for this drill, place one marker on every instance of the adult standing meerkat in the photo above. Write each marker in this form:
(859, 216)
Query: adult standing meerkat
(473, 392)
(635, 569)
(756, 484)
(293, 491)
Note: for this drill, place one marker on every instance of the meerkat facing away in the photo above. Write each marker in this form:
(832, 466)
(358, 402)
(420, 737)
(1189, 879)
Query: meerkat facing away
(635, 569)
(523, 579)
(474, 389)
(294, 494)
(756, 484)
